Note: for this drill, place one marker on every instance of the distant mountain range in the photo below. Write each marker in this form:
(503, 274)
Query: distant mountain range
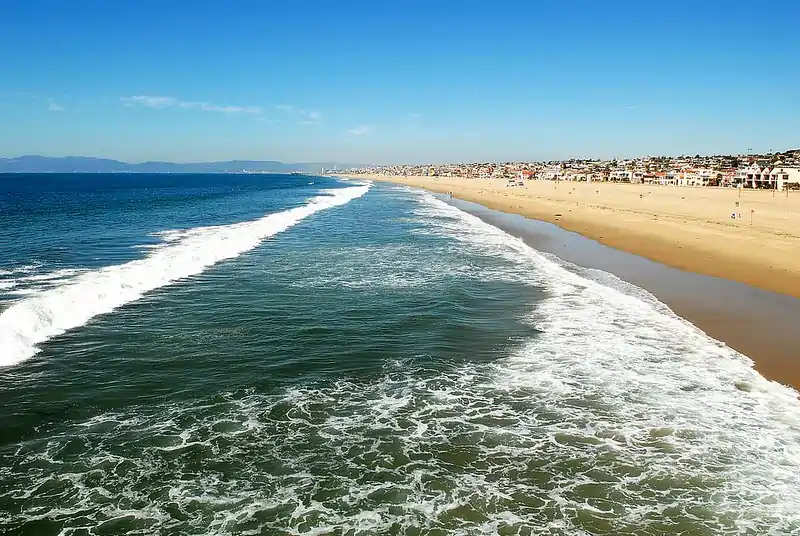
(83, 164)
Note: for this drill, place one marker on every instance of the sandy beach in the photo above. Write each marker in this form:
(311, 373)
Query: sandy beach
(758, 323)
(686, 228)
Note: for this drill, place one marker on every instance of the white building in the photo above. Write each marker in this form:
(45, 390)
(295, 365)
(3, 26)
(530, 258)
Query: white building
(690, 178)
(754, 176)
(552, 173)
(694, 177)
(706, 175)
(784, 177)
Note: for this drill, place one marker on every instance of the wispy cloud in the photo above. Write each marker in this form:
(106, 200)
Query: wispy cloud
(151, 101)
(415, 115)
(53, 107)
(207, 107)
(307, 117)
(359, 130)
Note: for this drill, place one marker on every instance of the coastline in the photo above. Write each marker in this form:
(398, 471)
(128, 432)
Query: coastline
(757, 322)
(682, 227)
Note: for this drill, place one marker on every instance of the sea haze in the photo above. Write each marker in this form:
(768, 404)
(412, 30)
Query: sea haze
(262, 354)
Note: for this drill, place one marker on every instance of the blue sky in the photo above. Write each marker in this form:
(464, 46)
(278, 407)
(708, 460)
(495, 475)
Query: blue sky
(387, 82)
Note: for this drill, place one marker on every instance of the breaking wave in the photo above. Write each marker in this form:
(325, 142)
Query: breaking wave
(42, 315)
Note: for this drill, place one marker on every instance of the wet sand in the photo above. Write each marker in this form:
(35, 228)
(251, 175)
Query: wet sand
(760, 324)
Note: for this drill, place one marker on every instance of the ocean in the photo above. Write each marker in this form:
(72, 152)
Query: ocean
(257, 354)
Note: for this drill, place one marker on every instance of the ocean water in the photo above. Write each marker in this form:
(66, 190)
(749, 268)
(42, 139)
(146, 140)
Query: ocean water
(251, 354)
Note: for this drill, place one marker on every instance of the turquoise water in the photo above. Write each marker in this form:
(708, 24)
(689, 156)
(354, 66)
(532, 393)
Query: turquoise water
(274, 355)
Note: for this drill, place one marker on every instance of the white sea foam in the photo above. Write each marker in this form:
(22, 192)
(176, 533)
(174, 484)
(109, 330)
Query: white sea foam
(24, 291)
(56, 275)
(655, 370)
(16, 283)
(35, 319)
(480, 449)
(12, 277)
(19, 270)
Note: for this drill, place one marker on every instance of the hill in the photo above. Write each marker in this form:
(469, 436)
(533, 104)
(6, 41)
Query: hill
(83, 164)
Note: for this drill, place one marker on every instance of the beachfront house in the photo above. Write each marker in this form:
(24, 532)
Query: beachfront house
(554, 173)
(778, 178)
(661, 178)
(620, 175)
(708, 177)
(785, 177)
(665, 178)
(672, 177)
(499, 173)
(550, 173)
(697, 177)
(690, 178)
(747, 176)
(728, 178)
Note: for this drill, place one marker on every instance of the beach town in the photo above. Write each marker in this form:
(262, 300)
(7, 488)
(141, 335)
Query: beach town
(776, 171)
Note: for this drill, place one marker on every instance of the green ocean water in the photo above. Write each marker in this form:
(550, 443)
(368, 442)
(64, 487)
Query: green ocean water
(384, 364)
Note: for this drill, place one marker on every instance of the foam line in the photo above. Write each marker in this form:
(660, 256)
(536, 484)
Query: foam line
(35, 319)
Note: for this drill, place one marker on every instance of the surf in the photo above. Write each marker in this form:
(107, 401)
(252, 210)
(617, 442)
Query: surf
(655, 383)
(33, 320)
(613, 416)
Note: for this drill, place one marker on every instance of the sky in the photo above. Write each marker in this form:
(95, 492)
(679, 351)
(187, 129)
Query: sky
(379, 82)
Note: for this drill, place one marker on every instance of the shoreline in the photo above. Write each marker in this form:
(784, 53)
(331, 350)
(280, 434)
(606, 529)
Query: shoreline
(757, 322)
(687, 228)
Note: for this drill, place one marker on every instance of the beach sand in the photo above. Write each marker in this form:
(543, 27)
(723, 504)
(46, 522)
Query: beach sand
(683, 227)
